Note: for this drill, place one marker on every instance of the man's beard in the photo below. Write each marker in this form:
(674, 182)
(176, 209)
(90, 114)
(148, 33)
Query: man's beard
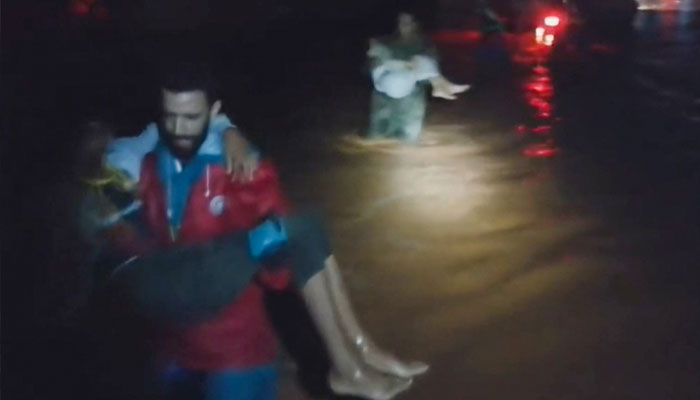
(184, 151)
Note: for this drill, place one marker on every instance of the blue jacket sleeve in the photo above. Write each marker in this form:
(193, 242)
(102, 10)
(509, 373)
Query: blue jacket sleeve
(125, 154)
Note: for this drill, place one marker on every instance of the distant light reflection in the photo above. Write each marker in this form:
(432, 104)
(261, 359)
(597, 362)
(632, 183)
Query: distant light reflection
(541, 150)
(551, 20)
(538, 92)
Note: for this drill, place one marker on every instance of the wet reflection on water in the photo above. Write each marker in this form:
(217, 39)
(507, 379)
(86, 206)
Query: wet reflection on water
(476, 250)
(538, 93)
(445, 240)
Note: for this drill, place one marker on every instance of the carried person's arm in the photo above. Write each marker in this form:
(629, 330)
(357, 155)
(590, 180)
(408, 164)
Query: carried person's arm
(125, 154)
(242, 159)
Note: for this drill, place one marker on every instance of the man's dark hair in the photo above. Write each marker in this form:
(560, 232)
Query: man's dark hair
(185, 76)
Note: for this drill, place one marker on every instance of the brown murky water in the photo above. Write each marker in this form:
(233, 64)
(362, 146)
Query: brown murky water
(464, 253)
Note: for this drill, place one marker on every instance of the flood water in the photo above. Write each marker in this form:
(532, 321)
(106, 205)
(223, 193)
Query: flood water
(541, 242)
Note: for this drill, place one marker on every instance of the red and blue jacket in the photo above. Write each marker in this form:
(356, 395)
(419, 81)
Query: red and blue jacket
(197, 202)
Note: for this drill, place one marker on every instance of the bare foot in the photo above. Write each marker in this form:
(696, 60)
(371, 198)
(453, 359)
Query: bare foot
(387, 363)
(368, 385)
(443, 92)
(454, 89)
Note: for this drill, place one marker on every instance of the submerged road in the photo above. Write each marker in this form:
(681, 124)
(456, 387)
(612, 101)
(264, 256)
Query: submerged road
(569, 276)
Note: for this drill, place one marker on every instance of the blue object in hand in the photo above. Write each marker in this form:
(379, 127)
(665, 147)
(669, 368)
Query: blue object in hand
(267, 238)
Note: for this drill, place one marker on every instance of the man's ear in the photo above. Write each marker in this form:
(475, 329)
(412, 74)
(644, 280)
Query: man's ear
(215, 109)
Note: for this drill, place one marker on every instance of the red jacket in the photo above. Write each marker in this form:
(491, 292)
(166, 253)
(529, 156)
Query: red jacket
(241, 335)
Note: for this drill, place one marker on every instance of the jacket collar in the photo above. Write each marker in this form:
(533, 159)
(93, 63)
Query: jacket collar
(178, 178)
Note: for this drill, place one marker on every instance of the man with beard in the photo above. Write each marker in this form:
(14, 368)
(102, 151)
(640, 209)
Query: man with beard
(188, 200)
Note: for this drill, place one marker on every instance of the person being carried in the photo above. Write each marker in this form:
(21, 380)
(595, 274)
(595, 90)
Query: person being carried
(357, 368)
(402, 66)
(397, 78)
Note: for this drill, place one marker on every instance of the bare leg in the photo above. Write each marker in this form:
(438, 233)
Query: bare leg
(440, 88)
(446, 89)
(349, 375)
(371, 353)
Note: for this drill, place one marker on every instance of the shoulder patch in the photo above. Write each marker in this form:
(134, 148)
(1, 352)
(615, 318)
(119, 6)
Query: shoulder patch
(216, 205)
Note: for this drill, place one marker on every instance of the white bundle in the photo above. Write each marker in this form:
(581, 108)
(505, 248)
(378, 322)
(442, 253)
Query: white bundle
(397, 78)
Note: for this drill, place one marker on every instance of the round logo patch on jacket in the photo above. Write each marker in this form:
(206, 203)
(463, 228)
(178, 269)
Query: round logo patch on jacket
(216, 205)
